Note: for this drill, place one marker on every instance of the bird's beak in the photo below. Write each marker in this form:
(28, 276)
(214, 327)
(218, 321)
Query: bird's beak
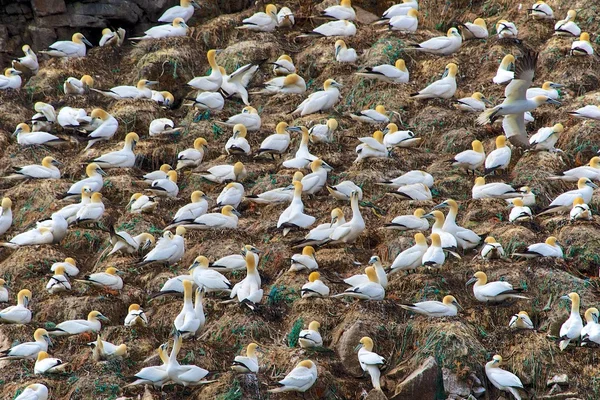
(472, 280)
(334, 220)
(337, 50)
(84, 40)
(592, 185)
(119, 272)
(56, 163)
(294, 129)
(100, 171)
(458, 305)
(565, 297)
(103, 318)
(428, 216)
(327, 167)
(556, 85)
(147, 244)
(48, 340)
(205, 197)
(595, 317)
(194, 265)
(486, 101)
(150, 83)
(441, 205)
(385, 131)
(336, 84)
(195, 5)
(16, 131)
(236, 212)
(17, 72)
(552, 101)
(358, 347)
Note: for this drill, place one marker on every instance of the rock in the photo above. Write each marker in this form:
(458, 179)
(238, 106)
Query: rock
(365, 17)
(125, 10)
(346, 344)
(48, 7)
(555, 389)
(561, 379)
(376, 395)
(41, 38)
(478, 391)
(250, 386)
(453, 385)
(424, 381)
(560, 396)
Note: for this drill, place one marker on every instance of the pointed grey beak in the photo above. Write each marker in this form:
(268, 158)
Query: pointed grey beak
(337, 50)
(472, 280)
(56, 163)
(441, 205)
(84, 40)
(103, 318)
(592, 185)
(458, 305)
(294, 129)
(486, 101)
(552, 101)
(428, 216)
(565, 297)
(556, 85)
(16, 132)
(101, 172)
(150, 83)
(194, 265)
(358, 347)
(236, 212)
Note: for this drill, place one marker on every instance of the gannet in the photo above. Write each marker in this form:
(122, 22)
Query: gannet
(465, 238)
(583, 46)
(448, 307)
(285, 18)
(475, 30)
(160, 173)
(77, 326)
(248, 117)
(108, 279)
(506, 30)
(567, 26)
(56, 224)
(404, 23)
(343, 190)
(299, 379)
(491, 249)
(135, 316)
(105, 131)
(293, 216)
(58, 282)
(371, 147)
(302, 158)
(541, 10)
(323, 133)
(192, 157)
(199, 308)
(248, 291)
(276, 143)
(103, 350)
(28, 350)
(314, 287)
(332, 28)
(235, 84)
(45, 364)
(140, 91)
(409, 178)
(247, 364)
(3, 291)
(127, 244)
(232, 194)
(516, 103)
(305, 261)
(174, 285)
(185, 11)
(226, 173)
(359, 279)
(526, 195)
(69, 117)
(18, 314)
(316, 180)
(27, 138)
(505, 71)
(235, 261)
(47, 170)
(351, 230)
(124, 158)
(475, 103)
(69, 265)
(45, 113)
(284, 65)
(548, 89)
(186, 375)
(563, 203)
(343, 53)
(376, 116)
(175, 29)
(211, 101)
(41, 235)
(186, 322)
(162, 126)
(112, 38)
(448, 241)
(571, 328)
(278, 195)
(310, 337)
(495, 190)
(498, 159)
(369, 290)
(210, 279)
(28, 61)
(191, 211)
(92, 211)
(76, 86)
(290, 84)
(94, 182)
(520, 321)
(410, 258)
(496, 291)
(434, 256)
(398, 9)
(237, 143)
(226, 219)
(321, 100)
(35, 391)
(169, 249)
(343, 11)
(545, 138)
(549, 248)
(369, 361)
(261, 21)
(397, 73)
(591, 331)
(165, 187)
(163, 98)
(441, 45)
(6, 217)
(69, 48)
(501, 379)
(587, 112)
(580, 210)
(156, 376)
(470, 159)
(320, 234)
(414, 191)
(519, 212)
(443, 88)
(409, 222)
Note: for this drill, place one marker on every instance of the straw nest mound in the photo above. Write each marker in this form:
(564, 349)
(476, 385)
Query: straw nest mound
(461, 344)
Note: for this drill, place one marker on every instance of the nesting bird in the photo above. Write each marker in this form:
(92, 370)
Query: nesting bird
(443, 88)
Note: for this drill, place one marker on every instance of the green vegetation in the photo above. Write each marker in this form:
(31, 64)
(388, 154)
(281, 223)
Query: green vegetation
(292, 337)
